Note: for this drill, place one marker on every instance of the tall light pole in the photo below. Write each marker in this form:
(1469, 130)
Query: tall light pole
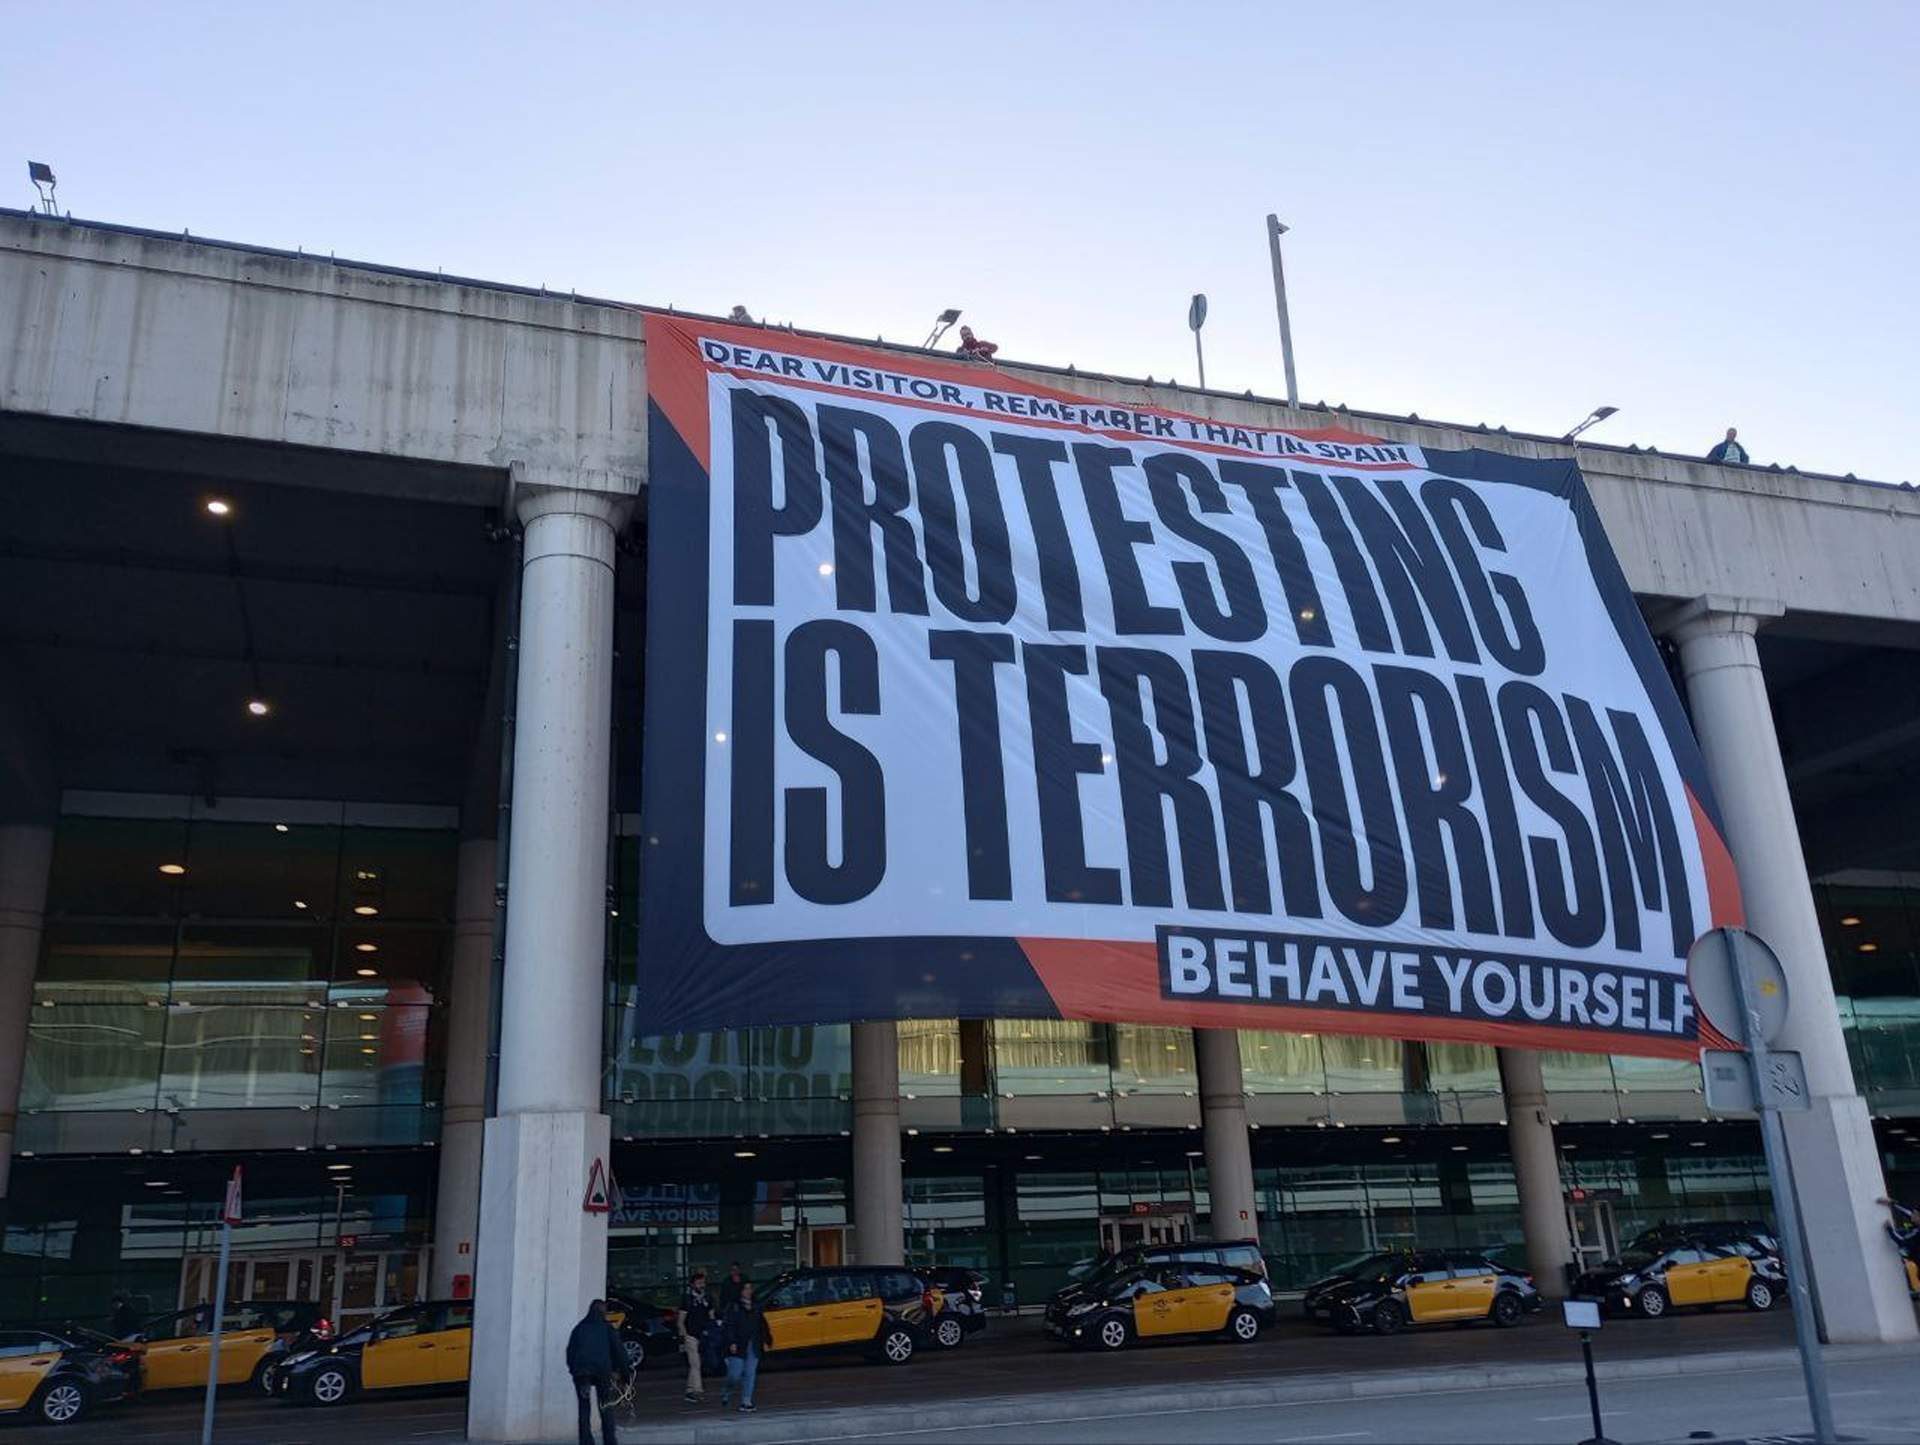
(1196, 318)
(1274, 231)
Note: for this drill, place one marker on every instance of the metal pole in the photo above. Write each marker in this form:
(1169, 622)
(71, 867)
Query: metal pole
(219, 1317)
(1593, 1388)
(1780, 1181)
(1200, 359)
(1274, 228)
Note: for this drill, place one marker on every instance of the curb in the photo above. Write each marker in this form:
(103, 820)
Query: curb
(1093, 1404)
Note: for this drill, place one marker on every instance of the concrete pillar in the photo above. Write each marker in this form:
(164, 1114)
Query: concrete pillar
(879, 1235)
(1857, 1275)
(541, 1255)
(1536, 1172)
(26, 860)
(1223, 1134)
(463, 1109)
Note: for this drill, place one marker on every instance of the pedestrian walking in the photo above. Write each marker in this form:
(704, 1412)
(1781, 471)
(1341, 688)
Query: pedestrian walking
(696, 1317)
(730, 1287)
(741, 1337)
(594, 1358)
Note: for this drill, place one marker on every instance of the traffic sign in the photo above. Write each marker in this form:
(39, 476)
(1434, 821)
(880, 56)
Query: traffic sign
(1710, 977)
(598, 1200)
(230, 1210)
(1729, 1081)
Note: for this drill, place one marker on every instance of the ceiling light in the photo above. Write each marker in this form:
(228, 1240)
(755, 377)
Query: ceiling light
(1660, 1136)
(719, 737)
(300, 903)
(366, 1051)
(826, 569)
(1459, 1148)
(367, 972)
(366, 910)
(744, 1154)
(279, 827)
(368, 1018)
(306, 1051)
(219, 507)
(1307, 614)
(173, 870)
(1032, 1158)
(1697, 1143)
(1869, 947)
(339, 1166)
(1391, 1139)
(1852, 920)
(1195, 1154)
(943, 1148)
(259, 706)
(369, 1038)
(366, 948)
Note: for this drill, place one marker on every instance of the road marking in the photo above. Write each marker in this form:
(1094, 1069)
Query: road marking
(1582, 1415)
(1343, 1435)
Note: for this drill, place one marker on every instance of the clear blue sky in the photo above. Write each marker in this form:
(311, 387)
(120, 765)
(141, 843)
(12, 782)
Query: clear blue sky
(1704, 214)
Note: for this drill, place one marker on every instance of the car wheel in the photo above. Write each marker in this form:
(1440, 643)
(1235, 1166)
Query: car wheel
(947, 1334)
(1760, 1295)
(63, 1402)
(1388, 1317)
(1506, 1309)
(636, 1352)
(330, 1385)
(1112, 1333)
(263, 1377)
(1243, 1325)
(1651, 1302)
(896, 1345)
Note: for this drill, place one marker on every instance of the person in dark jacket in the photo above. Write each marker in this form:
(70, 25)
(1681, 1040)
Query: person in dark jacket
(126, 1320)
(1730, 450)
(741, 1330)
(730, 1286)
(594, 1357)
(696, 1314)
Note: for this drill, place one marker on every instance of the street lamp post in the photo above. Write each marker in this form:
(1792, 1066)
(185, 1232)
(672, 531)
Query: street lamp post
(1196, 318)
(1274, 231)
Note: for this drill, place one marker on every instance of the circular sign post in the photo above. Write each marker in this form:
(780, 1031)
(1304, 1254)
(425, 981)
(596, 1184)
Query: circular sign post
(1196, 318)
(1716, 995)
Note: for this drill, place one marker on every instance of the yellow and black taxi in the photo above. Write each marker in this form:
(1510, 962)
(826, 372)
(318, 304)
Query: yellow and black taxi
(1434, 1287)
(1163, 1300)
(175, 1348)
(883, 1310)
(647, 1330)
(1652, 1281)
(414, 1347)
(54, 1376)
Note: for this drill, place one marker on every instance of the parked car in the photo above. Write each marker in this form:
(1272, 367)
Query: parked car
(884, 1310)
(1161, 1300)
(415, 1346)
(965, 1311)
(1435, 1287)
(1242, 1254)
(1650, 1282)
(174, 1348)
(1706, 1231)
(1321, 1296)
(647, 1330)
(56, 1375)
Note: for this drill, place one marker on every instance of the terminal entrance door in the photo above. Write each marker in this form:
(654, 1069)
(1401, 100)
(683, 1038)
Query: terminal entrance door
(350, 1286)
(1590, 1225)
(1155, 1226)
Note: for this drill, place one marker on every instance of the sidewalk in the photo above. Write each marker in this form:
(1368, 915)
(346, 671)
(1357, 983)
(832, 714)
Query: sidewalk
(1015, 1375)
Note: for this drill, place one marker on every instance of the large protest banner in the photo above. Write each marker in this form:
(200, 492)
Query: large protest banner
(967, 697)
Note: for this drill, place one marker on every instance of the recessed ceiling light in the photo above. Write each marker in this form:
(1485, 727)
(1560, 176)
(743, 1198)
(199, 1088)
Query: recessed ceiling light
(306, 1051)
(744, 1154)
(1852, 920)
(366, 1051)
(943, 1148)
(1306, 614)
(1032, 1158)
(826, 569)
(719, 737)
(1869, 947)
(367, 972)
(156, 1183)
(1391, 1139)
(219, 507)
(1697, 1143)
(279, 827)
(366, 948)
(1195, 1154)
(339, 1166)
(365, 910)
(368, 1018)
(300, 903)
(173, 870)
(1660, 1136)
(259, 706)
(369, 1038)
(1459, 1148)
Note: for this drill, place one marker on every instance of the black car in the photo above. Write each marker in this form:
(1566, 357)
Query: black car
(298, 1327)
(1434, 1286)
(1652, 1282)
(1321, 1296)
(963, 1308)
(56, 1374)
(647, 1330)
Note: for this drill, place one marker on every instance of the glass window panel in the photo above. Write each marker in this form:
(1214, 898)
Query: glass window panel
(111, 867)
(253, 870)
(396, 874)
(1632, 1074)
(375, 1055)
(1463, 1068)
(92, 1056)
(232, 1056)
(1358, 1065)
(1049, 1056)
(257, 966)
(1282, 1063)
(1148, 1058)
(101, 963)
(930, 1057)
(1573, 1073)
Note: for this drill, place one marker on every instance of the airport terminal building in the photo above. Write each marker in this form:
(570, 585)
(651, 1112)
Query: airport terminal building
(323, 620)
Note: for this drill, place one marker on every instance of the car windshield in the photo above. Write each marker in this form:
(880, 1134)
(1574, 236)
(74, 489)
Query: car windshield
(1366, 1266)
(1637, 1258)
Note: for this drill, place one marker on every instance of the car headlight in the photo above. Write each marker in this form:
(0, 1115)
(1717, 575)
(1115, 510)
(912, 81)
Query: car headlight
(1086, 1307)
(1628, 1281)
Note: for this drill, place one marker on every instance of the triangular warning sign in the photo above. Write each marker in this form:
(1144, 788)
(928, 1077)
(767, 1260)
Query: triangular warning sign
(598, 1200)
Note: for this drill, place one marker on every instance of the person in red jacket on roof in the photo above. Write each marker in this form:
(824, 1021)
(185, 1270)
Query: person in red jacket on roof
(973, 347)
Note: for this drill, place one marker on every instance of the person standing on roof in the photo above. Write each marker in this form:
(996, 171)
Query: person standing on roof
(1729, 451)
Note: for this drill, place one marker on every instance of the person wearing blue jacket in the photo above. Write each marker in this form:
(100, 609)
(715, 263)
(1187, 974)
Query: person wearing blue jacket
(594, 1357)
